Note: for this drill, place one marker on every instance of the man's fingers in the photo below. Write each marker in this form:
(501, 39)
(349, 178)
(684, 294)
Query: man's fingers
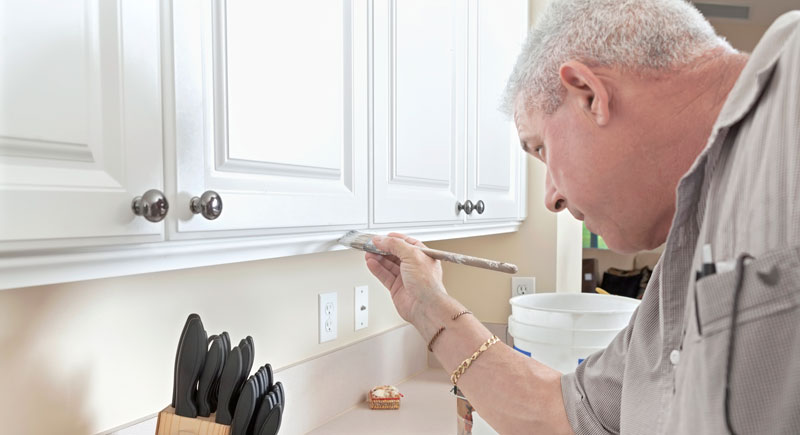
(384, 275)
(391, 263)
(395, 246)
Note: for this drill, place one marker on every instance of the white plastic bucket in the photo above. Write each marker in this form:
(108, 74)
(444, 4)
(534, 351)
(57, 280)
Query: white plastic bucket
(574, 310)
(562, 329)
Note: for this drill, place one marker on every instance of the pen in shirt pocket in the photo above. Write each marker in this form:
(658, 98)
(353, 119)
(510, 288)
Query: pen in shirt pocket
(708, 267)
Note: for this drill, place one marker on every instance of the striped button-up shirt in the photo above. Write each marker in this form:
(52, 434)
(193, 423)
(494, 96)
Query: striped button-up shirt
(668, 371)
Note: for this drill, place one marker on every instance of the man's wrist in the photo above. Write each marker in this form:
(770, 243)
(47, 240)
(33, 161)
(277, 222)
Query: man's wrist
(434, 312)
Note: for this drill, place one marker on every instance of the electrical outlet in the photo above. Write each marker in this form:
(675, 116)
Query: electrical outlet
(361, 307)
(328, 318)
(523, 285)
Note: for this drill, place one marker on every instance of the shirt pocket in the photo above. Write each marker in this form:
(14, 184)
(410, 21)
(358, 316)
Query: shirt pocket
(764, 386)
(770, 285)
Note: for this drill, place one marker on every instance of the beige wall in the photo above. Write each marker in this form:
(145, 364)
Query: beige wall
(742, 35)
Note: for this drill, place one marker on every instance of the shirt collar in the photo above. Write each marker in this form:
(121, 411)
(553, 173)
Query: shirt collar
(758, 70)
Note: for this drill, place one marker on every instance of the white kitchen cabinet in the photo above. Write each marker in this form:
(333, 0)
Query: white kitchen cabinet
(80, 122)
(308, 118)
(420, 71)
(439, 139)
(269, 101)
(495, 161)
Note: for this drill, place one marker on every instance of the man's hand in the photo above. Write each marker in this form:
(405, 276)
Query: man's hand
(413, 278)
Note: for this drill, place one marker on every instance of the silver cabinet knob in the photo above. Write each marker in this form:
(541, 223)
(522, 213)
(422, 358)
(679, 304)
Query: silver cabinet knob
(467, 206)
(152, 205)
(480, 207)
(209, 204)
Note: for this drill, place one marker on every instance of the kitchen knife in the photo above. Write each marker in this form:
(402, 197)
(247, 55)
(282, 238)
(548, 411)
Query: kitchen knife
(273, 422)
(270, 378)
(262, 413)
(247, 355)
(281, 394)
(226, 343)
(274, 396)
(244, 347)
(252, 344)
(227, 384)
(245, 407)
(259, 377)
(211, 372)
(191, 357)
(177, 352)
(226, 350)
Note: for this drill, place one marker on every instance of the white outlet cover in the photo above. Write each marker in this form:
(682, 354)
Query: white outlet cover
(522, 285)
(361, 307)
(328, 318)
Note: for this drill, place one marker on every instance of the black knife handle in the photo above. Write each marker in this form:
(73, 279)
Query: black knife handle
(245, 407)
(262, 413)
(226, 350)
(273, 422)
(252, 344)
(208, 377)
(270, 376)
(177, 354)
(227, 385)
(247, 356)
(191, 358)
(281, 393)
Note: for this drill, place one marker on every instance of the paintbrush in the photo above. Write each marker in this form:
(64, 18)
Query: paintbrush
(363, 241)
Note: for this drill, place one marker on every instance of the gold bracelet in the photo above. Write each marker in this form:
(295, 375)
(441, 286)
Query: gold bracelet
(465, 365)
(461, 314)
(435, 336)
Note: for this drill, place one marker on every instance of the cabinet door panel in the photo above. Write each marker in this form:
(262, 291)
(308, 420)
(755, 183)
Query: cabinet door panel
(497, 30)
(80, 130)
(420, 96)
(271, 112)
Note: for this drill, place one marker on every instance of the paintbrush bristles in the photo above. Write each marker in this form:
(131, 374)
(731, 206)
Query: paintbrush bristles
(361, 241)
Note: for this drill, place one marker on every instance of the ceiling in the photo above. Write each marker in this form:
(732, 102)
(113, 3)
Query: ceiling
(762, 12)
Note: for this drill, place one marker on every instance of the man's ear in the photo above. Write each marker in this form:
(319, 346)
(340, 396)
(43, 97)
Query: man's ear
(586, 88)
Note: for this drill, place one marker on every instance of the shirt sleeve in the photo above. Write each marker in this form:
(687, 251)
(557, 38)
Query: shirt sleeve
(593, 392)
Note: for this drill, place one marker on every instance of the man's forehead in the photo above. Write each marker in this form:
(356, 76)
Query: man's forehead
(527, 124)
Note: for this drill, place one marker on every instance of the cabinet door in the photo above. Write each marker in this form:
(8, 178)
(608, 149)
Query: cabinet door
(420, 69)
(270, 111)
(497, 30)
(80, 122)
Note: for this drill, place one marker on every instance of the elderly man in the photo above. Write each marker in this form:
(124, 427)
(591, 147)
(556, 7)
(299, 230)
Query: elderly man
(652, 129)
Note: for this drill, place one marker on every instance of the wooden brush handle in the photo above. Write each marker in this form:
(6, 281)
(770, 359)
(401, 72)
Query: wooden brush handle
(469, 260)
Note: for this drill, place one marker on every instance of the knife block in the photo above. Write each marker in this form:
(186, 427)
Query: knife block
(170, 423)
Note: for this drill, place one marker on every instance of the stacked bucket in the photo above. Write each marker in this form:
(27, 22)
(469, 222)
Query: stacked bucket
(562, 329)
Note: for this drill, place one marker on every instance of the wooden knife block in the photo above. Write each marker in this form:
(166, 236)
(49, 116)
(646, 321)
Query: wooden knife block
(170, 423)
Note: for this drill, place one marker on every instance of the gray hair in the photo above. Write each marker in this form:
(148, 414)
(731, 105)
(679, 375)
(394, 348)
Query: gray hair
(635, 35)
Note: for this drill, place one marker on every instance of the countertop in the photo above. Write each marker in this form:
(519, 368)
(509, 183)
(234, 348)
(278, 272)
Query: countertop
(427, 407)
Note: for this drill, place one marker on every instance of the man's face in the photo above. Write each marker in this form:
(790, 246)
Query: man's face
(599, 174)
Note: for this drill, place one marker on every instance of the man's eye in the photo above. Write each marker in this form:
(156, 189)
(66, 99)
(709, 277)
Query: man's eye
(538, 151)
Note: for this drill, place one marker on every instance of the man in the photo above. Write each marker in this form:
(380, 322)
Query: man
(652, 129)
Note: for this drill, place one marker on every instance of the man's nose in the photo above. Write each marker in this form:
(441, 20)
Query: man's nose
(553, 200)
